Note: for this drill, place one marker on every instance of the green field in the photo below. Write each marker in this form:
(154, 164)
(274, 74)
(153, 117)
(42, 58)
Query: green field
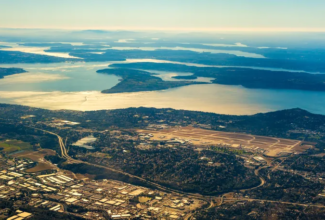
(101, 155)
(9, 146)
(144, 199)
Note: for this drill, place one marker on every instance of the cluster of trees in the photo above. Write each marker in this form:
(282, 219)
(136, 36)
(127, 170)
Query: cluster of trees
(37, 213)
(293, 123)
(138, 81)
(313, 164)
(34, 137)
(98, 173)
(20, 57)
(303, 59)
(257, 210)
(250, 78)
(9, 71)
(184, 169)
(278, 124)
(228, 150)
(286, 186)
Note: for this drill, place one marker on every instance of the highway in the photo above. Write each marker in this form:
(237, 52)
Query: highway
(64, 153)
(208, 199)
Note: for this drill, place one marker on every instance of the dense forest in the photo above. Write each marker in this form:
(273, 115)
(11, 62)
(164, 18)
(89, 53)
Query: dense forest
(184, 169)
(250, 78)
(292, 123)
(261, 210)
(138, 81)
(275, 58)
(287, 186)
(12, 57)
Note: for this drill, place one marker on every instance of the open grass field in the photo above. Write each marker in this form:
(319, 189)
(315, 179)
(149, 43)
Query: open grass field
(41, 166)
(78, 176)
(9, 146)
(201, 137)
(100, 155)
(37, 156)
(144, 199)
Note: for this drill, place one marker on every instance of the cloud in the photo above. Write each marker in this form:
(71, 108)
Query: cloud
(124, 40)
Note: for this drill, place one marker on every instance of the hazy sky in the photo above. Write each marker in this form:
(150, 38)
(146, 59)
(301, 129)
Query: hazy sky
(164, 14)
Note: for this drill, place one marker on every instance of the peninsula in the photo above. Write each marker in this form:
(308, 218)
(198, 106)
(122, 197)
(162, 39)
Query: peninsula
(246, 77)
(139, 81)
(10, 71)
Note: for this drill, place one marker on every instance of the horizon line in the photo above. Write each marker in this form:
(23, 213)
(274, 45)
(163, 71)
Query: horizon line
(230, 29)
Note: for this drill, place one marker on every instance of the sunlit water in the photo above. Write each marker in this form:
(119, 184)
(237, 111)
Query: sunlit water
(216, 66)
(85, 142)
(168, 76)
(36, 50)
(77, 86)
(65, 77)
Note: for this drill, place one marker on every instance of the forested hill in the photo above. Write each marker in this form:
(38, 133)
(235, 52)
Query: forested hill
(292, 123)
(247, 77)
(279, 122)
(139, 81)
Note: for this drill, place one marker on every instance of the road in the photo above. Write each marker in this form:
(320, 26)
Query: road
(208, 199)
(256, 172)
(64, 153)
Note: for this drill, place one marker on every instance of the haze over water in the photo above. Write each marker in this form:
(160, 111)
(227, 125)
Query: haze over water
(77, 87)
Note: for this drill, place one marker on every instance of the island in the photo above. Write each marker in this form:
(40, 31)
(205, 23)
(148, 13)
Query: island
(246, 77)
(139, 81)
(10, 71)
(10, 57)
(307, 60)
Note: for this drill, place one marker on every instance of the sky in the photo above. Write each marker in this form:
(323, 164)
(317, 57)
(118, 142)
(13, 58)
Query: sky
(200, 15)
